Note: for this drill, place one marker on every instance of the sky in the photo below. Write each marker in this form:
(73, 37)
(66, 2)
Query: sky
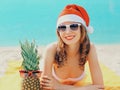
(20, 19)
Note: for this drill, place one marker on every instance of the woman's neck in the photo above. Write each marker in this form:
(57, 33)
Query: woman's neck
(73, 50)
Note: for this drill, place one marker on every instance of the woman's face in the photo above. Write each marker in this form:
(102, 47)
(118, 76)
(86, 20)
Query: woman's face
(70, 32)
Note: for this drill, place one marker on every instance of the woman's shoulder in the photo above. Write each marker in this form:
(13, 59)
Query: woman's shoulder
(49, 52)
(51, 47)
(92, 46)
(92, 53)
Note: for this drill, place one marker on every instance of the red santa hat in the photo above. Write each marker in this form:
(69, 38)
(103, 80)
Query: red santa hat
(75, 13)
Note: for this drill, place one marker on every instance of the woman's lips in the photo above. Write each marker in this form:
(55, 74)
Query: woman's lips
(69, 37)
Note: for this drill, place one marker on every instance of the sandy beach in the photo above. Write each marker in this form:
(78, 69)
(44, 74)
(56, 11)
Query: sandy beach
(107, 54)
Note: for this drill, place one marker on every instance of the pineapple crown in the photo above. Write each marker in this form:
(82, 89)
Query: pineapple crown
(30, 56)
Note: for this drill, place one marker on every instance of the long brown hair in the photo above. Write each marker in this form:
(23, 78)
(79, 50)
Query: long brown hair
(61, 55)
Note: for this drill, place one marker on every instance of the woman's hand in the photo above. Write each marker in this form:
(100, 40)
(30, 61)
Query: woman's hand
(48, 83)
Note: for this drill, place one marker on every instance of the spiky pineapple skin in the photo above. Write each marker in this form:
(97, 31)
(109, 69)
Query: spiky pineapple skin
(31, 83)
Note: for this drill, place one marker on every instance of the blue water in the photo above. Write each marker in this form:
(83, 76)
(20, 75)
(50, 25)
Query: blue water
(36, 19)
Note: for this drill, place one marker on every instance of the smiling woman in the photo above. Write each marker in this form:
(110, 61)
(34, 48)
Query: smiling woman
(65, 60)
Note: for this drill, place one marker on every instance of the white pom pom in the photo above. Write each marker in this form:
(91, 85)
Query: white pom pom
(90, 29)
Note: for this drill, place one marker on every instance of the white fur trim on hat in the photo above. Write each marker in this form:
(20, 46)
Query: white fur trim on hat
(73, 18)
(70, 17)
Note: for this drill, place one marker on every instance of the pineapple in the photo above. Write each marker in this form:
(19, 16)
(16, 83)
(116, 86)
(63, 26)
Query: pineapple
(30, 66)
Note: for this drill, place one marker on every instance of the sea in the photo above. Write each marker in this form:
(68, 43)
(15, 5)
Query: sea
(22, 20)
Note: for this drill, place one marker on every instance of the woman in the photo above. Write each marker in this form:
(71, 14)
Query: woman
(64, 61)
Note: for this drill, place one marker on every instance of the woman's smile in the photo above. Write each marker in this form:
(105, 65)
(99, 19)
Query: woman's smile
(69, 37)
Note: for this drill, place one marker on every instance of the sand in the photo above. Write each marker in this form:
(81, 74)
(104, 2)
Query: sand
(107, 54)
(110, 56)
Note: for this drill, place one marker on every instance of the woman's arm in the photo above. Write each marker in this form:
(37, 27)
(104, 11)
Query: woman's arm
(51, 84)
(47, 80)
(48, 59)
(95, 70)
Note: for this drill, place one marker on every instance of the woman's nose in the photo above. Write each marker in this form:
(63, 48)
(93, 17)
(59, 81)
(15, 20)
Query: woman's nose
(68, 30)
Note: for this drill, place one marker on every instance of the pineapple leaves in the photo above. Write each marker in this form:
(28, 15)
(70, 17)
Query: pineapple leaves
(30, 56)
